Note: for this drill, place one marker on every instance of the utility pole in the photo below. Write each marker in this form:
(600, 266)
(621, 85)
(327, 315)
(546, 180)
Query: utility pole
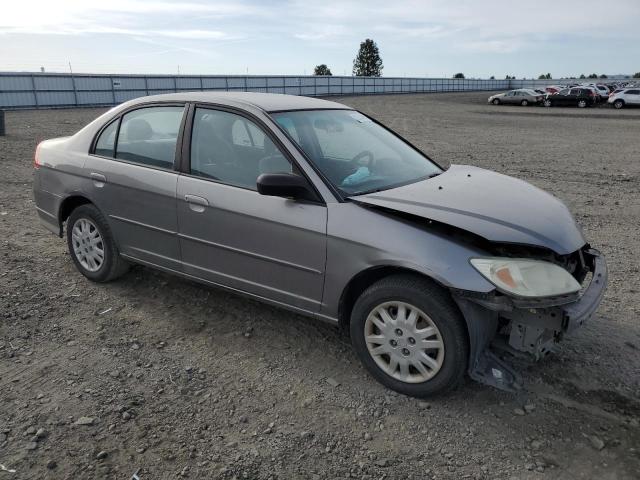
(70, 69)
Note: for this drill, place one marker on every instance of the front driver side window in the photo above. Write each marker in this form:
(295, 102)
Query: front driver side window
(231, 149)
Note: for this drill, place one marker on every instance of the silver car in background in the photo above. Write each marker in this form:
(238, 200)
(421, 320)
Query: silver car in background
(312, 206)
(521, 96)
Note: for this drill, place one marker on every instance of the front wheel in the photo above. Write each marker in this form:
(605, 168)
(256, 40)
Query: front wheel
(524, 103)
(92, 247)
(618, 104)
(547, 103)
(410, 335)
(582, 103)
(495, 101)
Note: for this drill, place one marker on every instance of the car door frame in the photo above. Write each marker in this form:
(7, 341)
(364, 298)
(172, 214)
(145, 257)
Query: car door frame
(149, 257)
(184, 169)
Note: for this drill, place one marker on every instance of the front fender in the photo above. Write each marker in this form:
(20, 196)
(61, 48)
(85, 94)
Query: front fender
(379, 239)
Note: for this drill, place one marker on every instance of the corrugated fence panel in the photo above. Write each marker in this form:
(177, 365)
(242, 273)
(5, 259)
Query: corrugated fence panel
(48, 90)
(17, 99)
(188, 83)
(53, 83)
(16, 83)
(95, 98)
(93, 83)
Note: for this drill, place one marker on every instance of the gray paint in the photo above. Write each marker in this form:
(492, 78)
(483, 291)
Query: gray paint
(303, 255)
(496, 207)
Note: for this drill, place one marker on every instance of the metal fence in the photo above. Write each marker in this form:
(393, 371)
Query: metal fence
(51, 90)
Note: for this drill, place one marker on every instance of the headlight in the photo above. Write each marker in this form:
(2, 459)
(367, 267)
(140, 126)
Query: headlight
(526, 278)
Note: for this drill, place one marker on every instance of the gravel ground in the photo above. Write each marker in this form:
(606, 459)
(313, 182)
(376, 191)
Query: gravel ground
(162, 376)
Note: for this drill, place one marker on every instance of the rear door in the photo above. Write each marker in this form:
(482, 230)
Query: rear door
(510, 97)
(271, 247)
(632, 96)
(133, 182)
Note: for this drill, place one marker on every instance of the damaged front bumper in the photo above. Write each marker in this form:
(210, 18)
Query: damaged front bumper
(501, 326)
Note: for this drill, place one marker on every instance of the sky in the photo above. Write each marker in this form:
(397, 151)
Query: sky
(428, 38)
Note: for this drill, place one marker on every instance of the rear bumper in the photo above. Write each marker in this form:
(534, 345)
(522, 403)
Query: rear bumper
(46, 204)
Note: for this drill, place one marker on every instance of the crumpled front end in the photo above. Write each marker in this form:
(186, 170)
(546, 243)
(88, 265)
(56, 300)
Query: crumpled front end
(502, 326)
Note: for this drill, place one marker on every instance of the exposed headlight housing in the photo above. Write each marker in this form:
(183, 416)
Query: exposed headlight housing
(526, 278)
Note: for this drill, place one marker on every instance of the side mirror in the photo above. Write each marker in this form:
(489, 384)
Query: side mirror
(285, 185)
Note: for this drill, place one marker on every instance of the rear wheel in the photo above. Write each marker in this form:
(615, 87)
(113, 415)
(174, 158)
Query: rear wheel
(618, 104)
(547, 103)
(410, 335)
(582, 103)
(92, 247)
(524, 103)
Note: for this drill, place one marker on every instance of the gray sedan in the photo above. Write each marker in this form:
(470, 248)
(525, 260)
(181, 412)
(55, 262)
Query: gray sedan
(312, 206)
(522, 96)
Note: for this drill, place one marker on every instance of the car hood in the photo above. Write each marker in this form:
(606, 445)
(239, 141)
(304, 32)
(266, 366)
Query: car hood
(496, 207)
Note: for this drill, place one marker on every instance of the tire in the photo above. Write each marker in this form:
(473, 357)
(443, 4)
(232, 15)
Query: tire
(88, 234)
(582, 103)
(495, 101)
(547, 103)
(524, 103)
(434, 308)
(618, 104)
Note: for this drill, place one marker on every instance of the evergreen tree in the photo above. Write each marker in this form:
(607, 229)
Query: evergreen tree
(368, 62)
(322, 69)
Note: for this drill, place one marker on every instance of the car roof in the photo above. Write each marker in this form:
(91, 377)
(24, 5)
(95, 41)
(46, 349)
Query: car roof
(269, 102)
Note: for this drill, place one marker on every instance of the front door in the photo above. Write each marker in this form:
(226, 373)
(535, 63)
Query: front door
(231, 235)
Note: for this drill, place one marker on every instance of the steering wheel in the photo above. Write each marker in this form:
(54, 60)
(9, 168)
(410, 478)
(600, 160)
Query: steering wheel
(356, 161)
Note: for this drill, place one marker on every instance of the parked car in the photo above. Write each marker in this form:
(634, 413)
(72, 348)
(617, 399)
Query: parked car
(553, 89)
(627, 97)
(521, 96)
(312, 206)
(578, 96)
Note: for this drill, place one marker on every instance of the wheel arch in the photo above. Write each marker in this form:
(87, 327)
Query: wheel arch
(364, 279)
(68, 205)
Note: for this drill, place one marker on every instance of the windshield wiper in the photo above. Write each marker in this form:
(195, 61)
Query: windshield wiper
(434, 174)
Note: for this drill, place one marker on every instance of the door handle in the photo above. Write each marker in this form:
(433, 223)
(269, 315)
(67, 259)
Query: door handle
(98, 179)
(196, 203)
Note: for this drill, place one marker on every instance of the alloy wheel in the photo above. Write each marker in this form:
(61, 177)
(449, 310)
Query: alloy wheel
(404, 342)
(88, 246)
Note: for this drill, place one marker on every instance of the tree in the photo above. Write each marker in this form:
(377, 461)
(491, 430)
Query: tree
(541, 77)
(582, 77)
(603, 76)
(368, 62)
(593, 75)
(545, 77)
(636, 75)
(322, 69)
(509, 77)
(492, 77)
(459, 75)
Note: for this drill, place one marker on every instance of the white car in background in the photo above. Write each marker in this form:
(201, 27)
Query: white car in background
(628, 97)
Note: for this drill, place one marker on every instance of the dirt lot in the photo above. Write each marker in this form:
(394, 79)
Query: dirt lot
(161, 376)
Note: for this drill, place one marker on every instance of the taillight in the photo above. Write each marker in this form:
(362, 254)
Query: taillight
(36, 160)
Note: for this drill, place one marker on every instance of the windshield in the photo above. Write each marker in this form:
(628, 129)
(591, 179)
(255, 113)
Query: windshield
(354, 153)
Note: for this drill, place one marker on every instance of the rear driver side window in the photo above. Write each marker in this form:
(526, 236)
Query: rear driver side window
(149, 135)
(105, 146)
